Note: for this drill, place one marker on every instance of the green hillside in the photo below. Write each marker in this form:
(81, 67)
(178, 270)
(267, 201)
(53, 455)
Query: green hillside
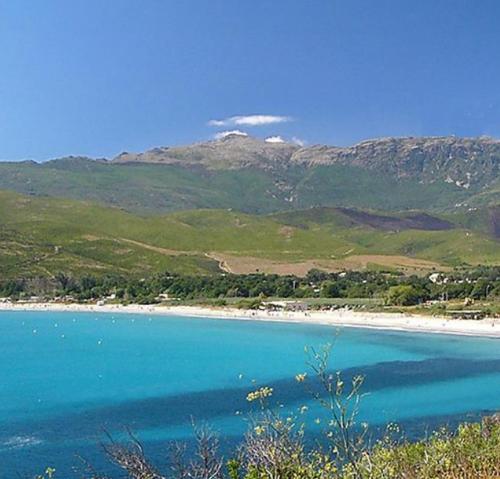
(141, 188)
(155, 188)
(41, 236)
(488, 197)
(251, 175)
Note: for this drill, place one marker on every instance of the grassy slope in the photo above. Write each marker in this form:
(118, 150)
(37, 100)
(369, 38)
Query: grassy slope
(46, 235)
(43, 236)
(141, 188)
(481, 219)
(449, 246)
(149, 188)
(355, 187)
(489, 196)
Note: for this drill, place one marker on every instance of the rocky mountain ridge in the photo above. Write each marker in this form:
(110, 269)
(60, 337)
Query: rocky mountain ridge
(464, 162)
(258, 176)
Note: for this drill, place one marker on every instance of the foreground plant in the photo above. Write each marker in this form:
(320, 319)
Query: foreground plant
(275, 450)
(473, 452)
(274, 446)
(49, 474)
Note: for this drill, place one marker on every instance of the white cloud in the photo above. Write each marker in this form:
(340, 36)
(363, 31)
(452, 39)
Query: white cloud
(216, 123)
(250, 120)
(298, 141)
(222, 134)
(275, 139)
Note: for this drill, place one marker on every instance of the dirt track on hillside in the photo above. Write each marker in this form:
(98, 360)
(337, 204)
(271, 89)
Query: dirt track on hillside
(251, 264)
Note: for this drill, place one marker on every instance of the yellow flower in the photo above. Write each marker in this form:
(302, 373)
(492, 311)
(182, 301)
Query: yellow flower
(300, 378)
(258, 430)
(261, 393)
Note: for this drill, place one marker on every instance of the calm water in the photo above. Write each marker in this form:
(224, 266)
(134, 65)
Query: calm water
(66, 377)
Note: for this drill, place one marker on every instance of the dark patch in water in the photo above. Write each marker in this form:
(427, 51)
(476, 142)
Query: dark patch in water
(206, 405)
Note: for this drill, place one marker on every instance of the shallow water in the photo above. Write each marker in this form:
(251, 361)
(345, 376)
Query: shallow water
(66, 377)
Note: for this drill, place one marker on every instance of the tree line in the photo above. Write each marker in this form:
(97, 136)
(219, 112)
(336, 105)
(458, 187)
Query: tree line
(396, 288)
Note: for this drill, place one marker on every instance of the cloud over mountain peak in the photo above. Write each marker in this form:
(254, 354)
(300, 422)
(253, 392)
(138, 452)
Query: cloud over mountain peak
(250, 120)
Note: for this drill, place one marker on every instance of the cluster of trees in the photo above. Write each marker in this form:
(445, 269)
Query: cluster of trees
(396, 288)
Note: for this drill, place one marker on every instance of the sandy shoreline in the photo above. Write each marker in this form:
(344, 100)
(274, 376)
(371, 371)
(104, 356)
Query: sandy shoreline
(340, 318)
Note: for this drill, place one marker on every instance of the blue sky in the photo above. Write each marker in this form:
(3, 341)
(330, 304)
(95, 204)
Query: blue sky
(100, 77)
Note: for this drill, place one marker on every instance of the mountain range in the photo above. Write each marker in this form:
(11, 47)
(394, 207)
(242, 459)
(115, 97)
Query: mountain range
(255, 176)
(464, 162)
(240, 204)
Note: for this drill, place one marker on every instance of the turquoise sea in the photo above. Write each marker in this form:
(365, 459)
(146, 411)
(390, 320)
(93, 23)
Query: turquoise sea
(68, 377)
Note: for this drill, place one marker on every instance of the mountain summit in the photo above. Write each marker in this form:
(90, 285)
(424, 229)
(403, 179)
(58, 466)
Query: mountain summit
(461, 161)
(259, 176)
(233, 151)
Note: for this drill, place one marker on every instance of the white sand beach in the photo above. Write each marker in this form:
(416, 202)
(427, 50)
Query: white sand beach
(489, 327)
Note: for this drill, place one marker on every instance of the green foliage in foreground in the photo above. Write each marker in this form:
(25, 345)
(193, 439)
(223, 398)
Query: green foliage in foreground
(472, 452)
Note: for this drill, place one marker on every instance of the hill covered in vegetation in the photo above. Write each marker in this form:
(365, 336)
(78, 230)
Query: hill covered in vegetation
(255, 176)
(43, 236)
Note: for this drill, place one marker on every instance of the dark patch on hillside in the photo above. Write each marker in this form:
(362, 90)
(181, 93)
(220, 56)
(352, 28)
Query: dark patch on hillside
(417, 221)
(494, 220)
(349, 218)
